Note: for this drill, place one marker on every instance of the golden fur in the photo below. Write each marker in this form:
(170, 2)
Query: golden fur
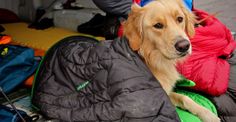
(153, 31)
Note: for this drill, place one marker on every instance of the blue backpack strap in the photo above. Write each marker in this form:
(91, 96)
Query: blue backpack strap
(188, 3)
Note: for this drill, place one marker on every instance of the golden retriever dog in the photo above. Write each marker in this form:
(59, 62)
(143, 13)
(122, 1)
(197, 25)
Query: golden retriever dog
(159, 32)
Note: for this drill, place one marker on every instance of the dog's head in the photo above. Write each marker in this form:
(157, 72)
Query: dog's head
(161, 26)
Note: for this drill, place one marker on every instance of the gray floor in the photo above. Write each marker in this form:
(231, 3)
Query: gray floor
(227, 9)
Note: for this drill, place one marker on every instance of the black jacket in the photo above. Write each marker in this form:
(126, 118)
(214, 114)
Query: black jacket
(85, 81)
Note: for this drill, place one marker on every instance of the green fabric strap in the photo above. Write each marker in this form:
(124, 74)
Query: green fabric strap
(183, 82)
(82, 85)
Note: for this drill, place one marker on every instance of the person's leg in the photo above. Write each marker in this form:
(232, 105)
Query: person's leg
(232, 62)
(114, 7)
(115, 11)
(226, 103)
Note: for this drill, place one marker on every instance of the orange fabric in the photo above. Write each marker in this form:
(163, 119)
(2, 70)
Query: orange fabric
(29, 81)
(5, 39)
(39, 52)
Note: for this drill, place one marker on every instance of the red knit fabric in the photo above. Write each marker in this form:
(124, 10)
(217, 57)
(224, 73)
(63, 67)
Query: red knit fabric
(204, 66)
(136, 1)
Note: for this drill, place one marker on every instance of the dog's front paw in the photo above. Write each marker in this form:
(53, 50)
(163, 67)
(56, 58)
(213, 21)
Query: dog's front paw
(208, 116)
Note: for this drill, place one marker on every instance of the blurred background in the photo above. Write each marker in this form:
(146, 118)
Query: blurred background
(227, 9)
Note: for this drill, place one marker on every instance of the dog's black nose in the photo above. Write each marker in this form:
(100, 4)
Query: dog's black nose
(182, 45)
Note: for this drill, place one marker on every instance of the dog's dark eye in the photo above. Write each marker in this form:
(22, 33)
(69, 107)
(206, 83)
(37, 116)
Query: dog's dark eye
(159, 26)
(180, 19)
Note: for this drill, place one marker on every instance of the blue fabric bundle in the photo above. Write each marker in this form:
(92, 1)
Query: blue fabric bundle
(17, 63)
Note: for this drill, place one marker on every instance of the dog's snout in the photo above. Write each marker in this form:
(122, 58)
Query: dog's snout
(182, 45)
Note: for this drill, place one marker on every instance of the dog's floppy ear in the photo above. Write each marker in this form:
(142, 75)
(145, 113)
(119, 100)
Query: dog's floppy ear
(190, 19)
(133, 27)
